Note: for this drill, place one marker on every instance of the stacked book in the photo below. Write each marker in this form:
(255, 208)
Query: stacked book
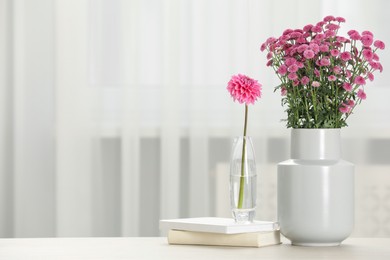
(220, 232)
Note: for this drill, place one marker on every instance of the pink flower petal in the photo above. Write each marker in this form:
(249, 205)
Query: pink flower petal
(379, 44)
(244, 89)
(361, 94)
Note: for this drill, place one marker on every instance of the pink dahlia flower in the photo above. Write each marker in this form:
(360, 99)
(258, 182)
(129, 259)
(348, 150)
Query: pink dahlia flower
(325, 61)
(359, 80)
(263, 46)
(332, 26)
(314, 46)
(308, 54)
(305, 80)
(329, 18)
(347, 86)
(367, 40)
(302, 48)
(330, 33)
(295, 35)
(319, 37)
(355, 36)
(361, 94)
(334, 52)
(292, 76)
(290, 61)
(316, 29)
(344, 109)
(368, 33)
(324, 48)
(244, 89)
(345, 56)
(321, 23)
(282, 70)
(376, 66)
(270, 40)
(300, 65)
(379, 44)
(302, 40)
(341, 39)
(315, 84)
(293, 68)
(368, 54)
(287, 31)
(307, 28)
(350, 32)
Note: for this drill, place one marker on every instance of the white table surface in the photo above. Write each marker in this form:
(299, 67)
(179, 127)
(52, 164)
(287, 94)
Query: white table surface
(158, 248)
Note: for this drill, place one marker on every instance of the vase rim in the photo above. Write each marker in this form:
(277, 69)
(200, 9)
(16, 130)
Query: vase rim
(316, 128)
(313, 130)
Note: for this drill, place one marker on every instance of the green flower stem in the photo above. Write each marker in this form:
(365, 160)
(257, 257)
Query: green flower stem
(307, 109)
(336, 107)
(314, 98)
(242, 179)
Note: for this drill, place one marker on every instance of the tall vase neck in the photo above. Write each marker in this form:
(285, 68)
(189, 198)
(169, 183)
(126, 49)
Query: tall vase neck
(315, 144)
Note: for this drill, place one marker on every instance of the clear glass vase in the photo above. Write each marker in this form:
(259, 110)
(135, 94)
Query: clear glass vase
(243, 180)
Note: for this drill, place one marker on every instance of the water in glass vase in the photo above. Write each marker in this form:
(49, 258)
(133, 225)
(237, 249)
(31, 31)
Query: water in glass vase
(243, 180)
(245, 211)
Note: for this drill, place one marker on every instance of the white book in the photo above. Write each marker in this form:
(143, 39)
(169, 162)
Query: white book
(253, 239)
(216, 225)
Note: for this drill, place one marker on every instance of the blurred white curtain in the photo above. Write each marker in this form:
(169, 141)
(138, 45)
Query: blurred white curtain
(114, 113)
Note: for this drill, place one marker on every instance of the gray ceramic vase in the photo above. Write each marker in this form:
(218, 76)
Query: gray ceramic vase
(316, 190)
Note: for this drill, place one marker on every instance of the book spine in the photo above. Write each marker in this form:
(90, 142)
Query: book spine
(201, 238)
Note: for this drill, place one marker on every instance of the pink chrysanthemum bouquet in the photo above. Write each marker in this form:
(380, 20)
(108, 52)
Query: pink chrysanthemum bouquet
(245, 90)
(322, 74)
